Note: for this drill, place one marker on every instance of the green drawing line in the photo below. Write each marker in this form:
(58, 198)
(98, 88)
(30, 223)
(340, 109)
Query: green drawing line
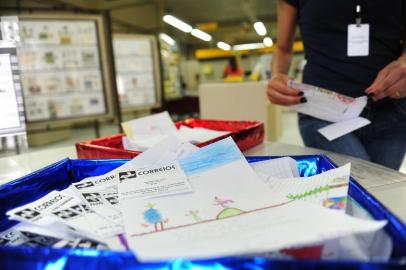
(312, 192)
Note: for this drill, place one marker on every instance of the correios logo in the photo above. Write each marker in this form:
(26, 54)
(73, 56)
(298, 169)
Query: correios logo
(157, 170)
(84, 185)
(27, 213)
(93, 197)
(122, 176)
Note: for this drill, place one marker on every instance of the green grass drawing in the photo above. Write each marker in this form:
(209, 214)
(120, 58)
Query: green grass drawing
(309, 193)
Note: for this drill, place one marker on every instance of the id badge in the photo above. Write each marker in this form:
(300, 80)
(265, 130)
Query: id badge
(358, 40)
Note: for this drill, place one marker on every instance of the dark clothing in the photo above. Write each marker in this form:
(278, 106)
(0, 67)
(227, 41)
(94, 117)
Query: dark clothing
(382, 142)
(323, 25)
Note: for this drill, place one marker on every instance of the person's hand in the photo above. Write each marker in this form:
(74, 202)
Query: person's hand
(279, 93)
(390, 82)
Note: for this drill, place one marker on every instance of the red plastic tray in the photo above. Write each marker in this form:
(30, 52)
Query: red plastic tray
(246, 134)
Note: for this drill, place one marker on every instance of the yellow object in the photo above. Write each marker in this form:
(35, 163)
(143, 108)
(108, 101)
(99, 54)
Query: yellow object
(209, 26)
(211, 53)
(127, 129)
(254, 77)
(233, 79)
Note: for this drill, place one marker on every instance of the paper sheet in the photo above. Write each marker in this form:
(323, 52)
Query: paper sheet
(154, 181)
(38, 211)
(144, 133)
(117, 243)
(198, 135)
(223, 185)
(69, 212)
(328, 105)
(328, 189)
(336, 130)
(260, 231)
(168, 149)
(373, 246)
(103, 200)
(128, 145)
(279, 168)
(158, 125)
(15, 237)
(141, 144)
(184, 133)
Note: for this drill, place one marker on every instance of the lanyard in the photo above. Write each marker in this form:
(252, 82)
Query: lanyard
(358, 12)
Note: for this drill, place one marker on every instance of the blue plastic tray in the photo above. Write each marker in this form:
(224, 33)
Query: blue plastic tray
(61, 174)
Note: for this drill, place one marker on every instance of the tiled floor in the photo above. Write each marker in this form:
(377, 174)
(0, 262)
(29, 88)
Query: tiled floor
(290, 135)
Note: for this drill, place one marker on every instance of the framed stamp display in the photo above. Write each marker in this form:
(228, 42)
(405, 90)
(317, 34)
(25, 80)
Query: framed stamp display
(64, 67)
(138, 75)
(11, 99)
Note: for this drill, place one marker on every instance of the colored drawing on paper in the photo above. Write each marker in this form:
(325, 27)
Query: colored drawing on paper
(212, 156)
(153, 217)
(309, 193)
(227, 211)
(338, 203)
(233, 212)
(315, 191)
(221, 202)
(194, 214)
(123, 241)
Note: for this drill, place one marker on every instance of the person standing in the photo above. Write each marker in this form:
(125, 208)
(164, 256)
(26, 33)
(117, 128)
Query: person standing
(375, 67)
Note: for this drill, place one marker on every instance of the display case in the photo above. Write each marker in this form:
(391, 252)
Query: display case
(11, 100)
(64, 67)
(171, 71)
(137, 71)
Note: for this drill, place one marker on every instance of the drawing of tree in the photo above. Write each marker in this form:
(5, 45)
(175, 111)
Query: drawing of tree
(152, 216)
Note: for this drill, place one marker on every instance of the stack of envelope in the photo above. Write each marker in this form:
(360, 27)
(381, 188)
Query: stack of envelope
(145, 132)
(176, 200)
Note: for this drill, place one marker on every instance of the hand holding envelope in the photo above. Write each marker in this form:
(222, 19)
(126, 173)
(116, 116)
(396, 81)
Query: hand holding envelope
(330, 106)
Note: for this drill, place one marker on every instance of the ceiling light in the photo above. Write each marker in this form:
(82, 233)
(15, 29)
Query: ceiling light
(224, 46)
(248, 46)
(175, 22)
(167, 39)
(268, 42)
(200, 34)
(260, 28)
